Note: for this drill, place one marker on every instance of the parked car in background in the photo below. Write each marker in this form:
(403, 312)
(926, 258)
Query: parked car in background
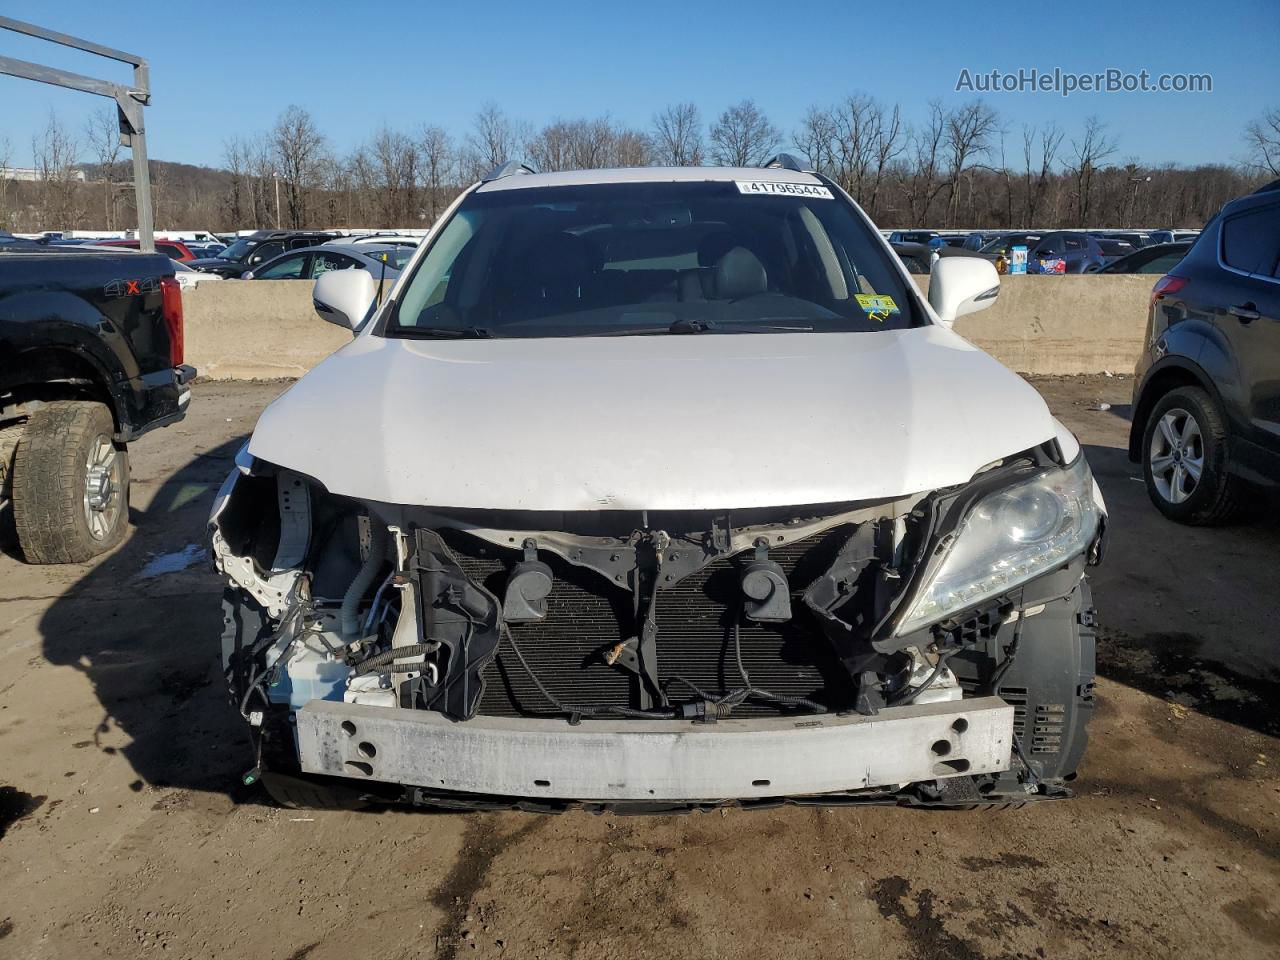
(206, 250)
(1174, 236)
(311, 262)
(257, 248)
(1158, 258)
(91, 360)
(1112, 250)
(10, 242)
(1206, 398)
(1078, 251)
(925, 237)
(189, 279)
(173, 249)
(384, 239)
(976, 241)
(1134, 237)
(916, 257)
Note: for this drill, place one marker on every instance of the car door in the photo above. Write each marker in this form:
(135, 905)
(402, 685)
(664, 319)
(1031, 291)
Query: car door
(1249, 315)
(1047, 248)
(292, 267)
(1075, 251)
(325, 260)
(268, 250)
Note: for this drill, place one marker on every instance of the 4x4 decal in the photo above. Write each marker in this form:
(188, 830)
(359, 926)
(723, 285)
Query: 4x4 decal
(131, 288)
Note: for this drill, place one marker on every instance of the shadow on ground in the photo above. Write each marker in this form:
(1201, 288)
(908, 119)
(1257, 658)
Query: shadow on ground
(1188, 614)
(150, 645)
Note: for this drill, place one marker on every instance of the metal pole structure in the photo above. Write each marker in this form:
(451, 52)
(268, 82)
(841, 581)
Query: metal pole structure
(277, 179)
(129, 103)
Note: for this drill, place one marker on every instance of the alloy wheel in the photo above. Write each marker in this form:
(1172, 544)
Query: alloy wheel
(103, 487)
(1176, 455)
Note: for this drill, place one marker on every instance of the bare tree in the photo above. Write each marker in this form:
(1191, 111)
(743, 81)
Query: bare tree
(55, 153)
(969, 130)
(1088, 153)
(395, 176)
(631, 148)
(1036, 178)
(677, 136)
(299, 151)
(921, 180)
(235, 156)
(264, 191)
(437, 160)
(742, 136)
(103, 133)
(494, 139)
(6, 159)
(1263, 139)
(587, 145)
(550, 149)
(816, 138)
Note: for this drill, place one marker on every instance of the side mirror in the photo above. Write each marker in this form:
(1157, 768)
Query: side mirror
(962, 285)
(345, 297)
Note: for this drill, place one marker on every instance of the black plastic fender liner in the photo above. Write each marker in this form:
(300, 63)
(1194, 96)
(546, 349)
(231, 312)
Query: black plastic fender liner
(460, 615)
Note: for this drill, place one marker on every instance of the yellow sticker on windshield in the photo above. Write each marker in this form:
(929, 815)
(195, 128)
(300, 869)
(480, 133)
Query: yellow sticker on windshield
(877, 306)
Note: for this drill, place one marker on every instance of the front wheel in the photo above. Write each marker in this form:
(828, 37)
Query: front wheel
(70, 483)
(1184, 459)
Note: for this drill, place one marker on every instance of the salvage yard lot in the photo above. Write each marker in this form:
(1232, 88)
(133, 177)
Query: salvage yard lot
(124, 833)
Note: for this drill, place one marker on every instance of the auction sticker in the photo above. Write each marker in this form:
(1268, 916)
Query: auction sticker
(783, 189)
(877, 306)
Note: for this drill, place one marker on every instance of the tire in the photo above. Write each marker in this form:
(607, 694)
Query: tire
(70, 484)
(302, 793)
(1186, 432)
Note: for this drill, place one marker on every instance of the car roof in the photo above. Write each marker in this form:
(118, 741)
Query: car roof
(574, 178)
(358, 250)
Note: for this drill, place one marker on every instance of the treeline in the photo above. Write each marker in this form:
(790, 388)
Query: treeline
(959, 167)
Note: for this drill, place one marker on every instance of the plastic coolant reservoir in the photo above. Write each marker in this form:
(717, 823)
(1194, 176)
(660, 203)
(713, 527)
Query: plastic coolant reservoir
(309, 673)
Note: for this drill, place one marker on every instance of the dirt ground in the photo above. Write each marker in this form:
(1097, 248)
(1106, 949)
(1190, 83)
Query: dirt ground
(124, 831)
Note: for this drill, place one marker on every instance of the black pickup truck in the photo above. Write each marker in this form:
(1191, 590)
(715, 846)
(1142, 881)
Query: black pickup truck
(90, 359)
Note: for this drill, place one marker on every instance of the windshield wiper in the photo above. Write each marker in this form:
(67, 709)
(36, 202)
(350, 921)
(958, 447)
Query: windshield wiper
(447, 333)
(684, 325)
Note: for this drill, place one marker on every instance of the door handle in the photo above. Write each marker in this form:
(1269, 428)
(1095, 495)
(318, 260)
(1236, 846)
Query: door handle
(1245, 311)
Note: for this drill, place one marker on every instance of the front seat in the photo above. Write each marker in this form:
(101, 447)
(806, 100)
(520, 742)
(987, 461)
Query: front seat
(739, 274)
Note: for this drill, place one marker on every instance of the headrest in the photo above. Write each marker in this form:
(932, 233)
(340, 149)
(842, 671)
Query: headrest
(740, 274)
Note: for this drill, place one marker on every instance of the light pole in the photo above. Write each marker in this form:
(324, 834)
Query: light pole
(276, 177)
(1133, 194)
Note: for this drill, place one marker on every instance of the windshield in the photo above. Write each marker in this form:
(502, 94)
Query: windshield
(1001, 244)
(395, 257)
(650, 258)
(238, 250)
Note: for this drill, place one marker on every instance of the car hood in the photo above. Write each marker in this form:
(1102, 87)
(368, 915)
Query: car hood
(215, 263)
(675, 422)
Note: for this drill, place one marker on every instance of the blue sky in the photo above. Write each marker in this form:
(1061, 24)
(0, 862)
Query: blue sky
(220, 69)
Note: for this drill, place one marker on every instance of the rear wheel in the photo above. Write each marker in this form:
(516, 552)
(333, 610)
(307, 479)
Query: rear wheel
(70, 484)
(1185, 459)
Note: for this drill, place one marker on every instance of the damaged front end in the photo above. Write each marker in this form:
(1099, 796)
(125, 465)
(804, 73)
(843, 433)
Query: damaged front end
(652, 660)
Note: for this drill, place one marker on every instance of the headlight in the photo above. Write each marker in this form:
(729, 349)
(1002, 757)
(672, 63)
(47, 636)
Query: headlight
(1008, 538)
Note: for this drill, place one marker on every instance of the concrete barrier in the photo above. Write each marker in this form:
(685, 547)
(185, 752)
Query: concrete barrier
(1064, 325)
(255, 329)
(259, 329)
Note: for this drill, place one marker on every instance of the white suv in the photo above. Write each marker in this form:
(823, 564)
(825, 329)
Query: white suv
(653, 489)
